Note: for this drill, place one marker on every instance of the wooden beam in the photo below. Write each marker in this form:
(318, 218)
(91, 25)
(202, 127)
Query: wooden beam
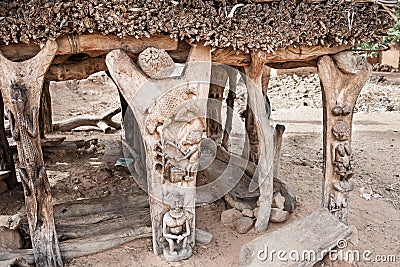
(76, 70)
(97, 44)
(94, 44)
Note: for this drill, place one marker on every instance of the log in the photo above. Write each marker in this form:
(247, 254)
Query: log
(342, 77)
(104, 122)
(93, 44)
(97, 44)
(21, 87)
(315, 234)
(76, 70)
(264, 135)
(156, 63)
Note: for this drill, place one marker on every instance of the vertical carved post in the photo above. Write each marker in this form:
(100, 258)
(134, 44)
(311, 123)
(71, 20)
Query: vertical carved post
(342, 78)
(230, 103)
(264, 134)
(6, 160)
(21, 87)
(170, 113)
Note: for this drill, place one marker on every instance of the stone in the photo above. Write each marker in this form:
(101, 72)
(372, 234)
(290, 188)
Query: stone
(278, 215)
(248, 213)
(10, 239)
(243, 225)
(203, 237)
(230, 216)
(278, 201)
(3, 187)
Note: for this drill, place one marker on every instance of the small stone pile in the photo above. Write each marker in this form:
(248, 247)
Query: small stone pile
(243, 221)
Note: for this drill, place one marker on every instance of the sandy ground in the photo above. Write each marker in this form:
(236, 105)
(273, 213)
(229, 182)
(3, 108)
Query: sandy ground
(376, 164)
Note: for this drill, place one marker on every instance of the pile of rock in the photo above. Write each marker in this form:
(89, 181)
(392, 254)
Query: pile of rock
(242, 221)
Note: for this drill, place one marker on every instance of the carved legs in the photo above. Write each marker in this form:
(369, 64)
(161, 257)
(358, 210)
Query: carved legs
(21, 87)
(170, 113)
(342, 78)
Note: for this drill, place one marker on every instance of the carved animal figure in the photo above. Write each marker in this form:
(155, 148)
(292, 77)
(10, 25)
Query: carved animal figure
(166, 106)
(24, 129)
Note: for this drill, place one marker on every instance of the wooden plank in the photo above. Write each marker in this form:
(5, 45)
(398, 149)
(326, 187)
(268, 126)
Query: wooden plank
(319, 233)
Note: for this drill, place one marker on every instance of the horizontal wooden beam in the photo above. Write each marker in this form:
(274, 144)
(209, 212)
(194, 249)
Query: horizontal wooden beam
(93, 44)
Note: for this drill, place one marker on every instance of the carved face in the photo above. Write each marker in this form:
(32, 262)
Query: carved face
(193, 137)
(18, 95)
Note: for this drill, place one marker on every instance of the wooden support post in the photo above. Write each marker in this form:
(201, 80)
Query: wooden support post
(6, 159)
(219, 78)
(46, 116)
(342, 78)
(170, 113)
(262, 131)
(230, 103)
(21, 87)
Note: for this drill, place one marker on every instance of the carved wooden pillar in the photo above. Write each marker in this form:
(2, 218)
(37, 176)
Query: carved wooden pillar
(21, 87)
(263, 132)
(214, 106)
(6, 160)
(171, 116)
(342, 78)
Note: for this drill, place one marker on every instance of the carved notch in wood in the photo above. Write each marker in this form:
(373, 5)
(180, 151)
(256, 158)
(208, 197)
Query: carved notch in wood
(21, 88)
(342, 78)
(170, 113)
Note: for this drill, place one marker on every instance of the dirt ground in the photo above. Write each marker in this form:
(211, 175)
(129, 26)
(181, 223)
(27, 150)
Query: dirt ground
(376, 148)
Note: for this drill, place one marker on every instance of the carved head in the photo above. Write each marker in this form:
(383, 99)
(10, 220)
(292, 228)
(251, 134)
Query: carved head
(193, 137)
(341, 131)
(175, 200)
(19, 94)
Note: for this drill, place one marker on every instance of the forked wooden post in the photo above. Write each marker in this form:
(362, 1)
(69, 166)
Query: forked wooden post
(21, 87)
(264, 132)
(342, 78)
(171, 116)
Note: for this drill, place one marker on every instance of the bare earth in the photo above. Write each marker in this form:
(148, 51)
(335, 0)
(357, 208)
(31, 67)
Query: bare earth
(376, 149)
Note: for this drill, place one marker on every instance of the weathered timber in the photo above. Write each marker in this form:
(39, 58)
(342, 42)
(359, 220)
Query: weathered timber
(93, 44)
(156, 63)
(265, 136)
(342, 78)
(6, 161)
(230, 102)
(319, 232)
(278, 133)
(104, 122)
(45, 116)
(76, 70)
(171, 116)
(21, 87)
(96, 45)
(219, 78)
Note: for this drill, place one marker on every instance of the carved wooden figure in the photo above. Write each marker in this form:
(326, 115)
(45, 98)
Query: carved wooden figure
(342, 78)
(170, 113)
(21, 88)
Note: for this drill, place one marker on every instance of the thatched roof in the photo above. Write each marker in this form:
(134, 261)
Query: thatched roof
(219, 23)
